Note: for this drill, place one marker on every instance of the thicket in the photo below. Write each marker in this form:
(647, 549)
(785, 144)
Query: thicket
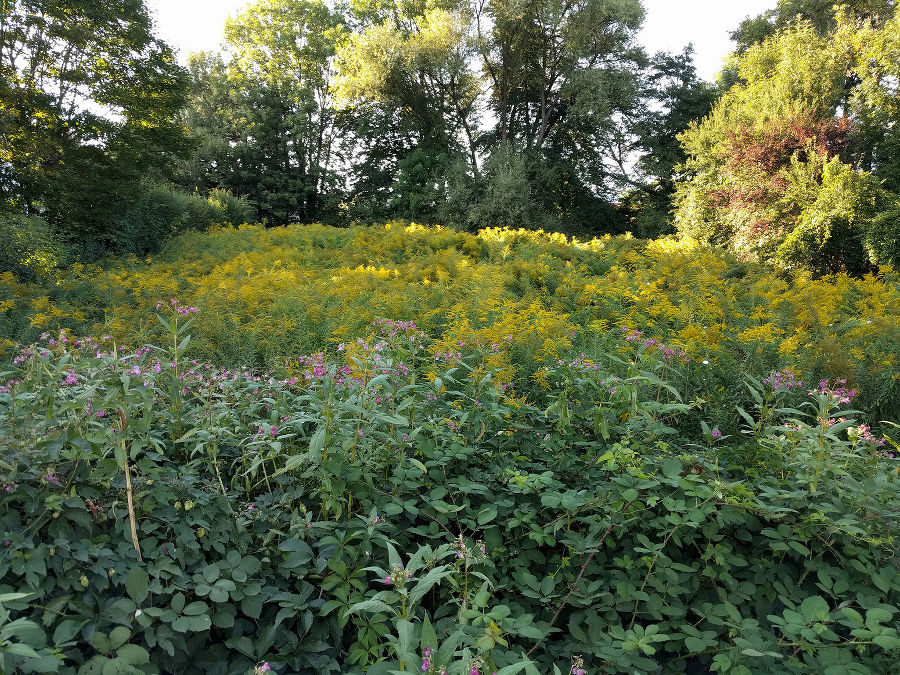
(396, 509)
(546, 115)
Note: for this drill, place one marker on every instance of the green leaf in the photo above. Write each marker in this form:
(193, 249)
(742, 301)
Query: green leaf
(137, 582)
(531, 632)
(695, 644)
(429, 637)
(118, 636)
(425, 584)
(416, 463)
(672, 468)
(251, 605)
(317, 442)
(66, 630)
(20, 649)
(876, 616)
(195, 608)
(370, 606)
(487, 514)
(891, 642)
(814, 607)
(133, 655)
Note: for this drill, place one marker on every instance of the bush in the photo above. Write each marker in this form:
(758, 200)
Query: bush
(396, 510)
(31, 250)
(229, 209)
(882, 239)
(161, 212)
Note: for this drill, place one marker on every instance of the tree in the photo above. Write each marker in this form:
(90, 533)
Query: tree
(782, 168)
(407, 73)
(263, 115)
(819, 13)
(557, 79)
(672, 96)
(564, 79)
(89, 101)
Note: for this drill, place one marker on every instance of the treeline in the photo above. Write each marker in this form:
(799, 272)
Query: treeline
(459, 112)
(468, 113)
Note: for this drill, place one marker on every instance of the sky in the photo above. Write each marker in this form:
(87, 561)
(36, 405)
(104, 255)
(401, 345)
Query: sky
(196, 25)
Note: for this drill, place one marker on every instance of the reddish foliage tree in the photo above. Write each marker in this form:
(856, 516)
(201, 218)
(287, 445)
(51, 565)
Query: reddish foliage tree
(755, 155)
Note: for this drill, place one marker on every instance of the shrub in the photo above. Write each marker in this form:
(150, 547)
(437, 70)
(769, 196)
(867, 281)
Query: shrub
(882, 239)
(229, 209)
(397, 510)
(275, 292)
(161, 212)
(31, 250)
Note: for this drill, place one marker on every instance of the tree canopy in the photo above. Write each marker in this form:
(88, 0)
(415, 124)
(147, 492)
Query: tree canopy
(89, 102)
(798, 156)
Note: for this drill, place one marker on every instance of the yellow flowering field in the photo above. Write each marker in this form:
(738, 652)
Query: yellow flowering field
(266, 295)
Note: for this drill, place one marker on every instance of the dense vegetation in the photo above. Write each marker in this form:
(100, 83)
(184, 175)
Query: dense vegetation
(271, 294)
(483, 446)
(468, 114)
(398, 509)
(637, 454)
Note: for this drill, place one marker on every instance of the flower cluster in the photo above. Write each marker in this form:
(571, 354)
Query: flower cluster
(581, 362)
(783, 380)
(577, 666)
(836, 394)
(183, 310)
(398, 577)
(668, 352)
(464, 552)
(263, 667)
(428, 666)
(864, 433)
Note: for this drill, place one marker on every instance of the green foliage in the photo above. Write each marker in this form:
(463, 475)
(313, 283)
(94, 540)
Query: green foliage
(882, 240)
(397, 507)
(32, 251)
(160, 212)
(88, 98)
(507, 199)
(265, 121)
(781, 170)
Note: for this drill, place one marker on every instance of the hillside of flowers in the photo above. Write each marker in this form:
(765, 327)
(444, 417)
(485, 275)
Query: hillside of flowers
(270, 295)
(406, 449)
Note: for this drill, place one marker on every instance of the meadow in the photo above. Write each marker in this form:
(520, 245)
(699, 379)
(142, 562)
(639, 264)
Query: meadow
(270, 295)
(406, 449)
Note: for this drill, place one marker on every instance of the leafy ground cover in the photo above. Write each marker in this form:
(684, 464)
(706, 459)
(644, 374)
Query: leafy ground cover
(399, 507)
(271, 294)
